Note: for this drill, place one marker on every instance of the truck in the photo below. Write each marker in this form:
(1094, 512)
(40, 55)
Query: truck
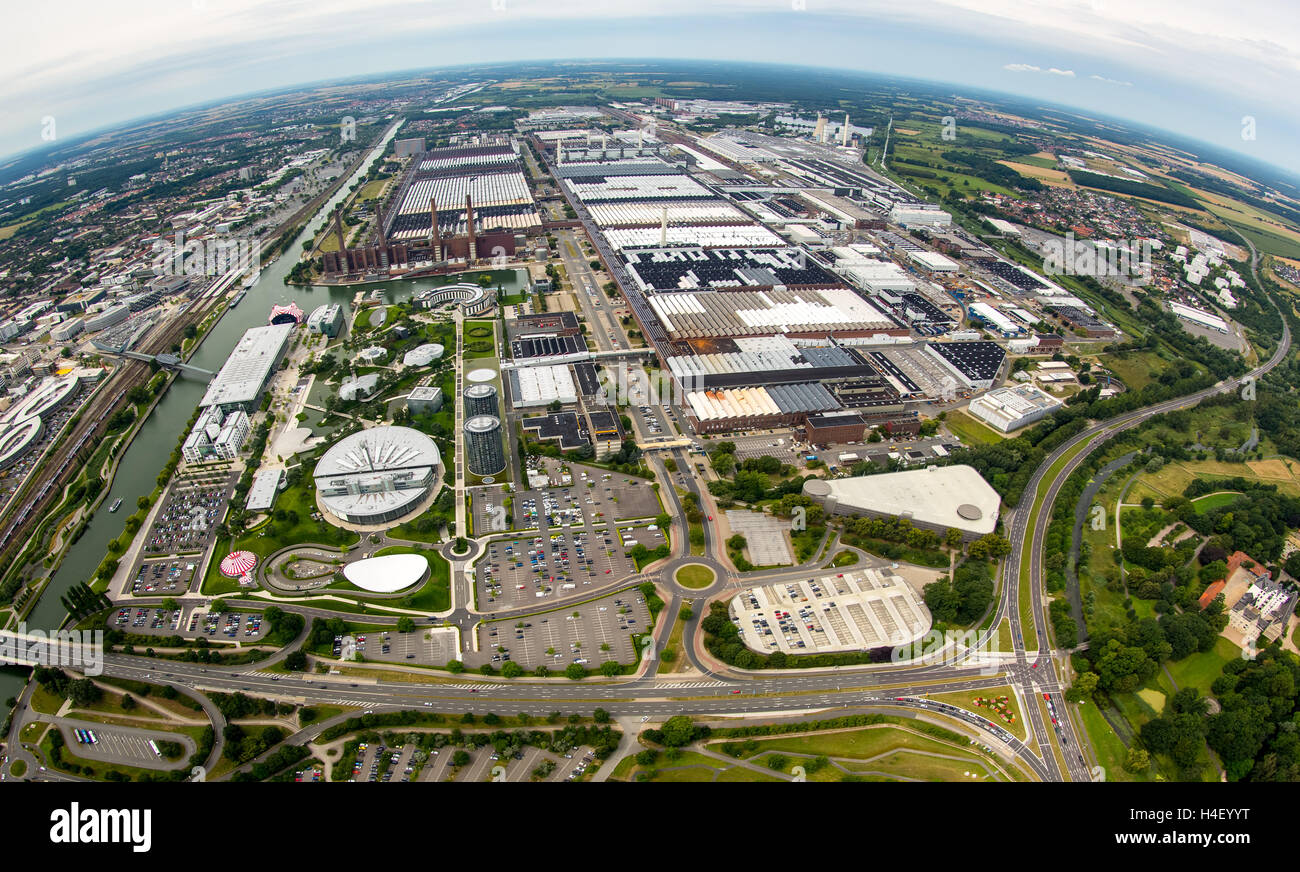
(848, 459)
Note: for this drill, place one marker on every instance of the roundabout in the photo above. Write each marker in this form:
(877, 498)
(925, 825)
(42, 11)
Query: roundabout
(694, 576)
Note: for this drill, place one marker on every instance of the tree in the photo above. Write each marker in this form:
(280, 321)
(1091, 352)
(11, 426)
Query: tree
(405, 625)
(296, 661)
(1138, 760)
(575, 671)
(610, 668)
(455, 667)
(511, 669)
(678, 731)
(84, 692)
(600, 716)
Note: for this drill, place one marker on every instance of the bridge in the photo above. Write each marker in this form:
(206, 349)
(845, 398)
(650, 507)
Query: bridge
(168, 361)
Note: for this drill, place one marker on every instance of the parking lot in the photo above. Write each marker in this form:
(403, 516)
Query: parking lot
(193, 506)
(589, 634)
(537, 571)
(562, 767)
(189, 624)
(124, 745)
(423, 647)
(155, 577)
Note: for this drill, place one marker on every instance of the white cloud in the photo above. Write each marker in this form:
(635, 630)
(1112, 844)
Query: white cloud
(1122, 84)
(1067, 73)
(1022, 68)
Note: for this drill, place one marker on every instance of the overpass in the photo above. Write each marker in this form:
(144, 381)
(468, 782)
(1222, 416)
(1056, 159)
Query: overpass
(168, 361)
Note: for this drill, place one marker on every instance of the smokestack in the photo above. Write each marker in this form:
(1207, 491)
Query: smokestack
(435, 235)
(469, 223)
(640, 137)
(844, 134)
(663, 227)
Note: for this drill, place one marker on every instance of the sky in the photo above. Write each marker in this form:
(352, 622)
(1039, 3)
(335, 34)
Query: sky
(1214, 71)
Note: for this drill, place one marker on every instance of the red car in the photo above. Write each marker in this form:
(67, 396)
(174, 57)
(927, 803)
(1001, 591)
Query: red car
(710, 517)
(1047, 696)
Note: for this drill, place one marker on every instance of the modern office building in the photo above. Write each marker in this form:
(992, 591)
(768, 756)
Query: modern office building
(326, 320)
(216, 435)
(483, 445)
(424, 398)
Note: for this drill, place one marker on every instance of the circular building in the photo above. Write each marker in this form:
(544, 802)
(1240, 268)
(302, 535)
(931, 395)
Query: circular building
(483, 445)
(472, 299)
(480, 376)
(387, 574)
(373, 354)
(481, 399)
(289, 314)
(377, 475)
(423, 355)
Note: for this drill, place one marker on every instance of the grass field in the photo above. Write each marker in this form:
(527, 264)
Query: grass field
(695, 577)
(965, 699)
(1174, 477)
(1200, 670)
(971, 431)
(1215, 500)
(1111, 750)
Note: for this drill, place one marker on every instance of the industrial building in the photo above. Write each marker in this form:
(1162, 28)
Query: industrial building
(1011, 408)
(563, 428)
(812, 313)
(975, 364)
(378, 475)
(483, 450)
(540, 386)
(840, 427)
(1199, 317)
(937, 498)
(721, 411)
(247, 370)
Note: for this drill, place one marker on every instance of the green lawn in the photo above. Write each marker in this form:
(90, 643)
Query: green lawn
(1199, 670)
(1213, 501)
(695, 576)
(971, 431)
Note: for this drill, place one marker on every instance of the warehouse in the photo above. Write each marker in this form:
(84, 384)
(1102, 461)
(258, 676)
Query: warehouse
(937, 498)
(1199, 317)
(835, 428)
(995, 319)
(1011, 408)
(541, 386)
(248, 368)
(615, 189)
(562, 428)
(976, 364)
(672, 269)
(643, 214)
(712, 235)
(933, 261)
(813, 313)
(720, 411)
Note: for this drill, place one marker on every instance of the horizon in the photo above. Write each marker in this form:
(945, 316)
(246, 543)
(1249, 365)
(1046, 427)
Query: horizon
(1103, 76)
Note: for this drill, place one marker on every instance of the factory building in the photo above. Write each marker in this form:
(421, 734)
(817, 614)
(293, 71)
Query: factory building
(1014, 407)
(937, 498)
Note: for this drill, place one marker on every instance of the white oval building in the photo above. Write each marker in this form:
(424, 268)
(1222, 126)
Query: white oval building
(423, 355)
(387, 574)
(480, 376)
(378, 475)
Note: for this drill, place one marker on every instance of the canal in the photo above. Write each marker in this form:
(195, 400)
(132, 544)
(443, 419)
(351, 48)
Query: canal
(144, 459)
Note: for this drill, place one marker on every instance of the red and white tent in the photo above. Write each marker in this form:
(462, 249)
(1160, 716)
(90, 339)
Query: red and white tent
(238, 563)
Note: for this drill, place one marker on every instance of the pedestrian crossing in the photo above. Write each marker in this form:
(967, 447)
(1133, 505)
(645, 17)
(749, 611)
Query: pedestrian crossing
(682, 685)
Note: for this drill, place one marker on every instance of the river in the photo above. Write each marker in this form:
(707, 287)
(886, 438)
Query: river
(139, 467)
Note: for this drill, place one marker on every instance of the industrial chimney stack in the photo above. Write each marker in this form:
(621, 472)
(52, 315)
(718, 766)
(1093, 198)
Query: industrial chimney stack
(469, 223)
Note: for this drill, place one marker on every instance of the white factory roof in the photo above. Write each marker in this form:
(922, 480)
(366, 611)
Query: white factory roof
(775, 311)
(712, 235)
(261, 493)
(545, 384)
(940, 496)
(1010, 407)
(933, 261)
(245, 371)
(691, 212)
(1199, 316)
(636, 188)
